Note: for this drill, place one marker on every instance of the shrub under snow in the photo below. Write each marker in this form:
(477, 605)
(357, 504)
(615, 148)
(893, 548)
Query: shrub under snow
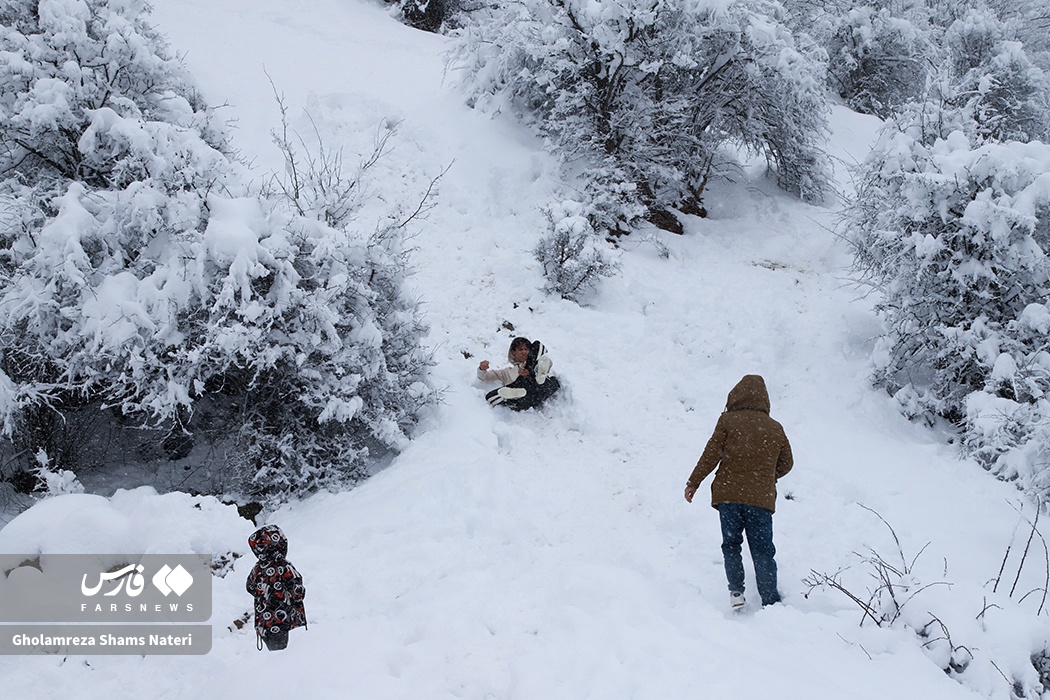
(639, 97)
(954, 236)
(140, 275)
(571, 253)
(878, 61)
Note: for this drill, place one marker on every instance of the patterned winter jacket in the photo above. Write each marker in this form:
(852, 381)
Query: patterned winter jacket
(276, 585)
(748, 447)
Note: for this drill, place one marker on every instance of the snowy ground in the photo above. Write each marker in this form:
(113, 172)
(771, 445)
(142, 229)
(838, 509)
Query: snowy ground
(551, 555)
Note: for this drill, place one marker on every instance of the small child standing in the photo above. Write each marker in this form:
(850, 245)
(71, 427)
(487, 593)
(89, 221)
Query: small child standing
(277, 587)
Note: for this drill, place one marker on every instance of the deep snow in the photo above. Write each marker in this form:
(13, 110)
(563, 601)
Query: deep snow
(551, 554)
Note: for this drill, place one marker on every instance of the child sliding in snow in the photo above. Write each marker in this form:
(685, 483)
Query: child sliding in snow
(277, 587)
(528, 381)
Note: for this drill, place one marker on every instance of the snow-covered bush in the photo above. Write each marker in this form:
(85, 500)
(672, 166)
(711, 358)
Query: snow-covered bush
(983, 59)
(995, 83)
(428, 15)
(645, 94)
(993, 639)
(571, 253)
(54, 482)
(1028, 23)
(972, 41)
(105, 152)
(878, 62)
(951, 224)
(141, 276)
(954, 236)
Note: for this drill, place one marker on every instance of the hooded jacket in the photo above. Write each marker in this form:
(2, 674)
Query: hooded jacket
(276, 585)
(538, 363)
(749, 449)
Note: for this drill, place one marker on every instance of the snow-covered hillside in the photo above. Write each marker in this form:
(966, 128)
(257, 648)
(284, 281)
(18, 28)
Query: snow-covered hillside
(551, 554)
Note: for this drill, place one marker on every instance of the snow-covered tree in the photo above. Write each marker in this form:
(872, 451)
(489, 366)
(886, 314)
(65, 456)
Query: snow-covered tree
(639, 97)
(105, 150)
(992, 79)
(878, 62)
(954, 236)
(1029, 23)
(951, 224)
(886, 54)
(140, 275)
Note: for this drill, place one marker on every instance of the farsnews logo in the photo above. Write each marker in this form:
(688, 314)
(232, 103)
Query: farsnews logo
(169, 580)
(130, 580)
(132, 574)
(108, 588)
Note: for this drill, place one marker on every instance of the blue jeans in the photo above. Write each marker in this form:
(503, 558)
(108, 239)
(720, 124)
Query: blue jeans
(736, 519)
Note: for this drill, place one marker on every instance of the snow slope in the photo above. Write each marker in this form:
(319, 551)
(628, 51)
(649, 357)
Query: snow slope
(551, 555)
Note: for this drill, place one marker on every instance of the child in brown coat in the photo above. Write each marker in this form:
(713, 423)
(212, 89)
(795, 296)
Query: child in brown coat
(750, 451)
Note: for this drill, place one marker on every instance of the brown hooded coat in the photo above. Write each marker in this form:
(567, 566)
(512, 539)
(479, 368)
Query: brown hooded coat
(748, 447)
